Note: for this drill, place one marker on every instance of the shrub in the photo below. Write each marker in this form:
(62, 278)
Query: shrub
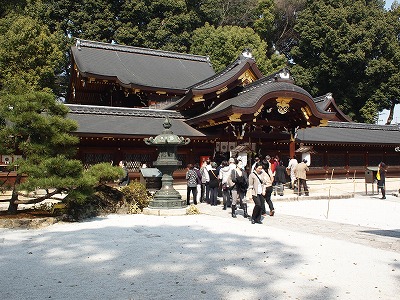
(136, 196)
(192, 210)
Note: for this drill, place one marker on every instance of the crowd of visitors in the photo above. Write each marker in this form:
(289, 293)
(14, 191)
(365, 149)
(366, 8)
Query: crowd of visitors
(236, 183)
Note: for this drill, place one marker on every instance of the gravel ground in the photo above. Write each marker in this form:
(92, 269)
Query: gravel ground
(300, 253)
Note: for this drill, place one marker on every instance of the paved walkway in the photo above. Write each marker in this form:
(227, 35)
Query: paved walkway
(326, 189)
(372, 237)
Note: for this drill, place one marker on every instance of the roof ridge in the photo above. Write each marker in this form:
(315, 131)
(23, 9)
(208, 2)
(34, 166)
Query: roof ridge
(122, 111)
(260, 82)
(228, 68)
(146, 51)
(354, 125)
(322, 98)
(263, 80)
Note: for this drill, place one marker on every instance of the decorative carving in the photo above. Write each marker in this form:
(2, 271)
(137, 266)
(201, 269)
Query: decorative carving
(258, 111)
(305, 113)
(247, 77)
(198, 98)
(235, 117)
(283, 105)
(323, 122)
(220, 91)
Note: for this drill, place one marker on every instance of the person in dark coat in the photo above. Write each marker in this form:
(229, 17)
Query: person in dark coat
(381, 177)
(280, 179)
(239, 183)
(213, 184)
(124, 180)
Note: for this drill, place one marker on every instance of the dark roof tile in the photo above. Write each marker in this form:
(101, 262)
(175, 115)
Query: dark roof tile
(253, 92)
(352, 133)
(133, 66)
(125, 121)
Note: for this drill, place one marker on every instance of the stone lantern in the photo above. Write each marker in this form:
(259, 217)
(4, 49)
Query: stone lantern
(167, 142)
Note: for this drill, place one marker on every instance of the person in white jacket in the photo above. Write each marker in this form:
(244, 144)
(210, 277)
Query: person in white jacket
(223, 177)
(257, 182)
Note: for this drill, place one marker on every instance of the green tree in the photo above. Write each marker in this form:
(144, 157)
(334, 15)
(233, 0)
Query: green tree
(28, 51)
(7, 6)
(225, 43)
(347, 47)
(34, 127)
(161, 24)
(275, 21)
(384, 72)
(232, 12)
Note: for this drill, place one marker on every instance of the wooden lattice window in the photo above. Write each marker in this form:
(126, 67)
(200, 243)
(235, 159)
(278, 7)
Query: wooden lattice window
(135, 161)
(91, 159)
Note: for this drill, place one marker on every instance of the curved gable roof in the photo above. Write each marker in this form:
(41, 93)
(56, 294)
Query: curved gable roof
(136, 67)
(253, 97)
(327, 103)
(220, 80)
(233, 71)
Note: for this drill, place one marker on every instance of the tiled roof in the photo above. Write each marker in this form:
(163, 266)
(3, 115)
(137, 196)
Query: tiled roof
(127, 121)
(322, 101)
(223, 76)
(253, 92)
(351, 133)
(123, 111)
(140, 67)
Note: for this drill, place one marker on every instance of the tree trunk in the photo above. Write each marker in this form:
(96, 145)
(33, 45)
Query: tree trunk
(13, 206)
(391, 112)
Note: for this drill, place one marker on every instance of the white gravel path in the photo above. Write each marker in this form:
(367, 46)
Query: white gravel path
(204, 257)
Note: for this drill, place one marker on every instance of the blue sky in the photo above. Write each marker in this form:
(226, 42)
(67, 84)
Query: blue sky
(388, 3)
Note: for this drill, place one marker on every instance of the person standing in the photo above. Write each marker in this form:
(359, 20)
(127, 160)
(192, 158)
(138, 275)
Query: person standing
(266, 162)
(198, 188)
(239, 182)
(223, 177)
(257, 188)
(268, 185)
(300, 172)
(280, 178)
(204, 181)
(291, 166)
(381, 177)
(256, 160)
(213, 184)
(191, 180)
(124, 180)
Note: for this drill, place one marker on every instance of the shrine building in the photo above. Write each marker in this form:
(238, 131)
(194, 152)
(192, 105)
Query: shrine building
(120, 95)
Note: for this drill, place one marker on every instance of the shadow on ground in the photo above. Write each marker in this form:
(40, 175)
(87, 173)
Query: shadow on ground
(158, 260)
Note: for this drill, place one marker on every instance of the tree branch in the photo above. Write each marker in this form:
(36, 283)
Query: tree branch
(39, 199)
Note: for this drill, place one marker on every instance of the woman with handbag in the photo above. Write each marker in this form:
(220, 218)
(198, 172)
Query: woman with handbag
(239, 183)
(257, 187)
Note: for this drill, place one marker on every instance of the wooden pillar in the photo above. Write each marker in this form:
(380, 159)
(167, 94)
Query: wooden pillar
(292, 148)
